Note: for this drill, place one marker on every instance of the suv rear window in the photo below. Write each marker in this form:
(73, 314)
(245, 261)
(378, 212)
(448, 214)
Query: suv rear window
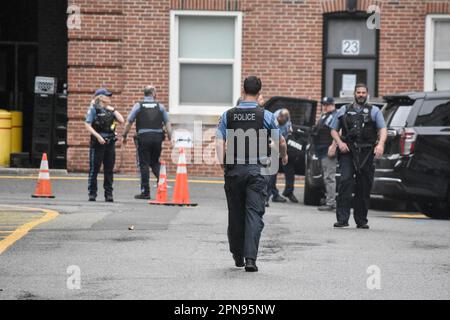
(434, 113)
(396, 115)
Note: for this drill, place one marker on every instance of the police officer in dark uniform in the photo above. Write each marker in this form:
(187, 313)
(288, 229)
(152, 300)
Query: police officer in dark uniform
(245, 177)
(101, 122)
(325, 149)
(363, 136)
(150, 117)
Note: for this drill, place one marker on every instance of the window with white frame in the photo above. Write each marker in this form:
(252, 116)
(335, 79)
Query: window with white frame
(205, 61)
(437, 53)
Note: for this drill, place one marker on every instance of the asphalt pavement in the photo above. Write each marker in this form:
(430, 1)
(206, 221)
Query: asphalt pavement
(87, 250)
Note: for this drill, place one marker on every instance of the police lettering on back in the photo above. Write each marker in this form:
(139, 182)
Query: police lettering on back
(244, 117)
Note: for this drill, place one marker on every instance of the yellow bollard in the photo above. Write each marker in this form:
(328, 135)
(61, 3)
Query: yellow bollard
(16, 131)
(5, 137)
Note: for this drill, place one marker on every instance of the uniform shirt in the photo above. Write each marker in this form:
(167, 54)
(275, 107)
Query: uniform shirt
(90, 117)
(133, 114)
(375, 114)
(322, 149)
(284, 129)
(268, 123)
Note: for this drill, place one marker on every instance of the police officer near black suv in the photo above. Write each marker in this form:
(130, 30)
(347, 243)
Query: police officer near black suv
(325, 148)
(101, 120)
(363, 135)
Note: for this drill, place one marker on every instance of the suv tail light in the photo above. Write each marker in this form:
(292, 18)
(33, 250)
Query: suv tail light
(407, 141)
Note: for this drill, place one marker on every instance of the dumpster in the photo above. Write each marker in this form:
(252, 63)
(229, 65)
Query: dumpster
(5, 137)
(16, 131)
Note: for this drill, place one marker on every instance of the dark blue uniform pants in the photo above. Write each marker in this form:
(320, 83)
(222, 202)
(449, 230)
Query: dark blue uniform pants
(246, 196)
(289, 174)
(99, 154)
(359, 183)
(149, 150)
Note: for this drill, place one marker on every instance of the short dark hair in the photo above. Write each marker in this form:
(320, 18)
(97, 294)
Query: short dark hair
(252, 85)
(361, 85)
(149, 91)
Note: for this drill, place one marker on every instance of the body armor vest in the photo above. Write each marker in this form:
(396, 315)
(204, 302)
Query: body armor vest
(104, 121)
(322, 133)
(251, 140)
(149, 116)
(358, 127)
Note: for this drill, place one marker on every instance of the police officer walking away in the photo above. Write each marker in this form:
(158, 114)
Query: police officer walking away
(101, 122)
(150, 117)
(245, 184)
(326, 152)
(363, 137)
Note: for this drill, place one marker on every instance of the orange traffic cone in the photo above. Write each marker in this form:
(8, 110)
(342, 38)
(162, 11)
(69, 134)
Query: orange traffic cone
(181, 190)
(43, 187)
(161, 193)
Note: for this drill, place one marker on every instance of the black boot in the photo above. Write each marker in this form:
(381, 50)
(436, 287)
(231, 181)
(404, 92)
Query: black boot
(142, 196)
(238, 261)
(278, 198)
(340, 225)
(250, 265)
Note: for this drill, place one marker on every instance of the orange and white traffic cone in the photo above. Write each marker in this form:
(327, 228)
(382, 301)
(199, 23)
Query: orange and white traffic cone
(181, 190)
(161, 193)
(44, 186)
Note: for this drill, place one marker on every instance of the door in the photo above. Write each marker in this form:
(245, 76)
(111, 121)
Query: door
(350, 55)
(303, 117)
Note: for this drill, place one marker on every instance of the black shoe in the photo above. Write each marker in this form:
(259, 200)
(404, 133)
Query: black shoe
(340, 225)
(109, 199)
(362, 226)
(92, 198)
(238, 261)
(291, 197)
(267, 204)
(250, 265)
(278, 198)
(142, 196)
(326, 208)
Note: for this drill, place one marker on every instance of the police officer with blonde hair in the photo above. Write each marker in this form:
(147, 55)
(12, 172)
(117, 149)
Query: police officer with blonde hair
(101, 120)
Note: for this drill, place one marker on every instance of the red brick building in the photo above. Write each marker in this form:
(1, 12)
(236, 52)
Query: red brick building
(190, 48)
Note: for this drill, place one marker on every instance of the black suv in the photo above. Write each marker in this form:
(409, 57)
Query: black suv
(416, 162)
(303, 117)
(314, 191)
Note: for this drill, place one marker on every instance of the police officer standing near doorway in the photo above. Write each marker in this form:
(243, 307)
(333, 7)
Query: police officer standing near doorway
(150, 117)
(245, 177)
(326, 152)
(363, 137)
(101, 122)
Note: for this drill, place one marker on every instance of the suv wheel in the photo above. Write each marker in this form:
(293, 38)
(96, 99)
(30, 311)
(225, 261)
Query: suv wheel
(436, 209)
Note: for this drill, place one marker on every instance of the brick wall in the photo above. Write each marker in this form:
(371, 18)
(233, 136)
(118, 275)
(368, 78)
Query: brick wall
(124, 45)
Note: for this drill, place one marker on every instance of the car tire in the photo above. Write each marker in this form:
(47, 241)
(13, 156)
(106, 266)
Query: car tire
(311, 195)
(436, 209)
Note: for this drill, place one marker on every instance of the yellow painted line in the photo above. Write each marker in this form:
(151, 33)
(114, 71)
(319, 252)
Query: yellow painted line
(20, 232)
(124, 179)
(410, 216)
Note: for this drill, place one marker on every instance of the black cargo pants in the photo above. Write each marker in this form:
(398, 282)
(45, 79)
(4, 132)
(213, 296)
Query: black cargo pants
(246, 194)
(149, 151)
(101, 154)
(357, 183)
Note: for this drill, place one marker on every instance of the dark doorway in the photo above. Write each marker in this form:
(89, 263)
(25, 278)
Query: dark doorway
(350, 54)
(33, 42)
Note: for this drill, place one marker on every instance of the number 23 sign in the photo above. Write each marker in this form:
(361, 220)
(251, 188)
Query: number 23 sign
(350, 47)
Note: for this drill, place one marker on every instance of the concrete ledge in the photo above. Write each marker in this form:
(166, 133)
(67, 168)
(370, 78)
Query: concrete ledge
(30, 171)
